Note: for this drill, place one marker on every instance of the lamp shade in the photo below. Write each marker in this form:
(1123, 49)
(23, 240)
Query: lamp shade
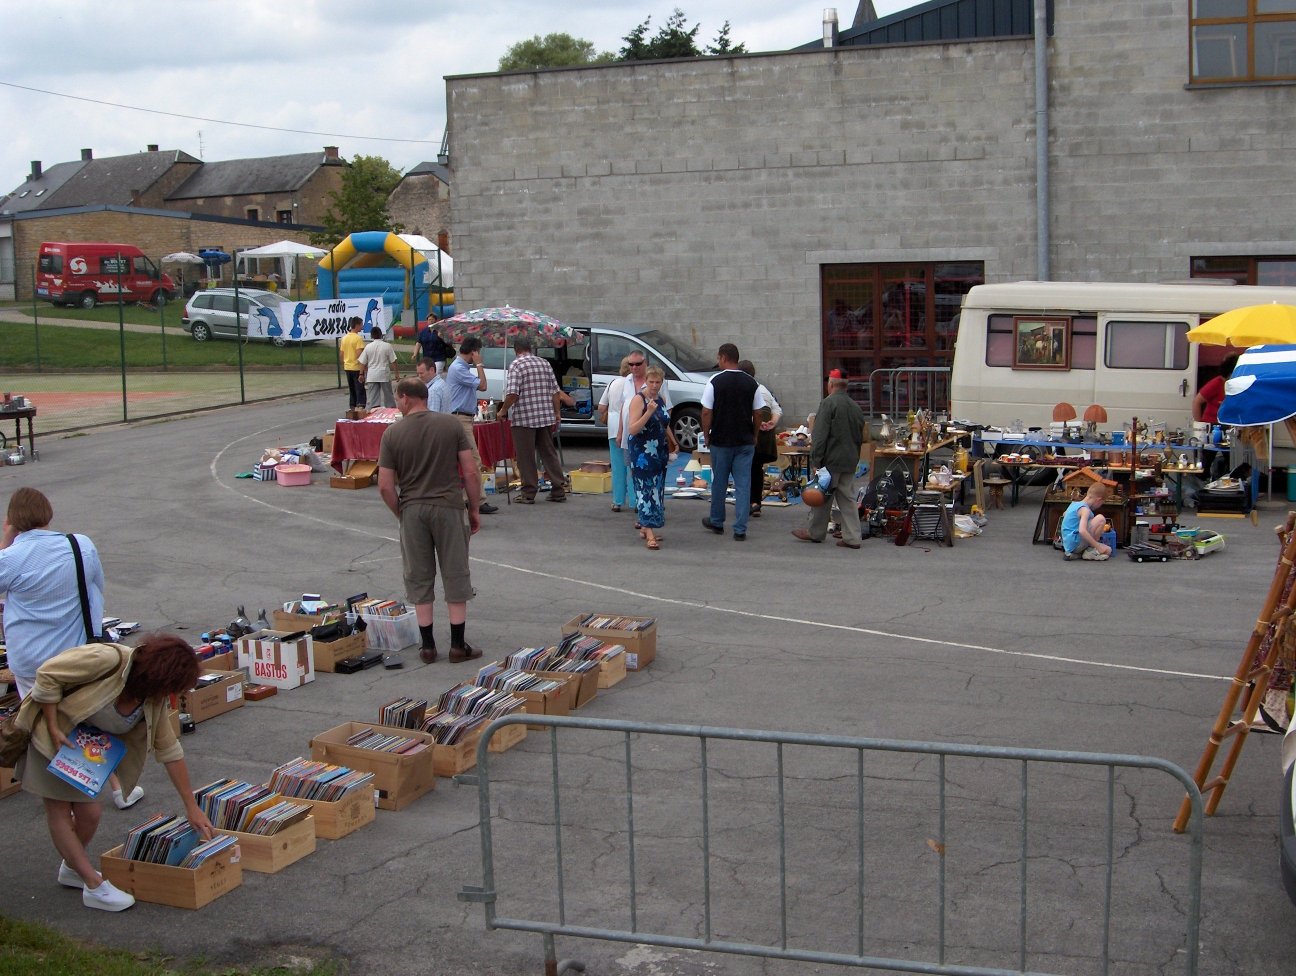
(693, 465)
(1095, 413)
(1063, 412)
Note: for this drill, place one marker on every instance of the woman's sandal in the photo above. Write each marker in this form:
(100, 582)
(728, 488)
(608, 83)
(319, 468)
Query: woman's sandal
(652, 543)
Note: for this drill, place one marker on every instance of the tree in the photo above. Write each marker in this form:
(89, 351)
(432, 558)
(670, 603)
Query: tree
(361, 202)
(552, 51)
(674, 39)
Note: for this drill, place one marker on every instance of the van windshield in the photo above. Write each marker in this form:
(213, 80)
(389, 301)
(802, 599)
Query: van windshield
(684, 356)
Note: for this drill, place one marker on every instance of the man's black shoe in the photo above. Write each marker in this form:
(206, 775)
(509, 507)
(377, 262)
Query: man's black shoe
(486, 508)
(740, 537)
(708, 524)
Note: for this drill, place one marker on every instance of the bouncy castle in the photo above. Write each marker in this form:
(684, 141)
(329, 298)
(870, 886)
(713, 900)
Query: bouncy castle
(378, 263)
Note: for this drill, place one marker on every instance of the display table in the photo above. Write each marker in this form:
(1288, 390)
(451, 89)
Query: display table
(359, 440)
(918, 460)
(18, 414)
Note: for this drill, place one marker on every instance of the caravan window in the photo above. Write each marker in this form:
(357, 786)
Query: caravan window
(1147, 345)
(1084, 341)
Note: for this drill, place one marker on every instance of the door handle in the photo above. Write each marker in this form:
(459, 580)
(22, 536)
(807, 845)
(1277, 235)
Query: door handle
(1183, 387)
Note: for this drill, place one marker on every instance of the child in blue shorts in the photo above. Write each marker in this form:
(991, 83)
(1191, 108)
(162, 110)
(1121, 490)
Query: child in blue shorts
(1083, 527)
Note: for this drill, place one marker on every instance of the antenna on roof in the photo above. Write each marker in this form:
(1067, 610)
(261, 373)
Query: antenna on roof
(200, 144)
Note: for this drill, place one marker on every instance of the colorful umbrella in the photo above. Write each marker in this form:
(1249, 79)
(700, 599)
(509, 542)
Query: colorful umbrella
(1262, 388)
(1251, 325)
(497, 326)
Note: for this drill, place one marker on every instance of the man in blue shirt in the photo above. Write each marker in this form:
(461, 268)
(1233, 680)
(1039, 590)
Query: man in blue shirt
(465, 378)
(438, 400)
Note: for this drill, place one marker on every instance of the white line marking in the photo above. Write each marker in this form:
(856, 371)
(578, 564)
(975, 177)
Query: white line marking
(695, 605)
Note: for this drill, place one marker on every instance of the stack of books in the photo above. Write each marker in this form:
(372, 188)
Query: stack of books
(598, 621)
(581, 648)
(171, 841)
(449, 729)
(404, 713)
(500, 678)
(234, 805)
(308, 779)
(381, 742)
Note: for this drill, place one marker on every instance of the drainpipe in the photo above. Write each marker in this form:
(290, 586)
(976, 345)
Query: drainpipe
(1042, 241)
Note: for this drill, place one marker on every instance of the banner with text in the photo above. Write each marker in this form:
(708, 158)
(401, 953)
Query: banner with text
(319, 319)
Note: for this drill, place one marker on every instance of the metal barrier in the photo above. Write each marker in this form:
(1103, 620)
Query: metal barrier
(906, 388)
(1025, 760)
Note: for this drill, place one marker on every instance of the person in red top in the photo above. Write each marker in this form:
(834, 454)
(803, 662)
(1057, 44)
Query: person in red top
(1206, 404)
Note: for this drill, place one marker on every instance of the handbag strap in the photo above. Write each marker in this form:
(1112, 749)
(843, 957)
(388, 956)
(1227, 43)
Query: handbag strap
(90, 631)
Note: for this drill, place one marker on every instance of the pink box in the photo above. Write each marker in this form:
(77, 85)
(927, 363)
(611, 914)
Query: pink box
(292, 475)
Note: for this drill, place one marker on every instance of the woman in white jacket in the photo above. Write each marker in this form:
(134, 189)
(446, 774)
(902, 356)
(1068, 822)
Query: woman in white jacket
(610, 409)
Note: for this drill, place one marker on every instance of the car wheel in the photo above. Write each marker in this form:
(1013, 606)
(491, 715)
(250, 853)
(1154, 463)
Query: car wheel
(88, 299)
(160, 298)
(687, 425)
(200, 331)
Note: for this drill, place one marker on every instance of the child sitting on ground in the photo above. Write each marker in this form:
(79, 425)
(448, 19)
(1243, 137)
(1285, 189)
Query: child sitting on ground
(1083, 528)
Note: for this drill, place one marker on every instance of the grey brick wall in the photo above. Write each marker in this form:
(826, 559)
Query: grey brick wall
(703, 196)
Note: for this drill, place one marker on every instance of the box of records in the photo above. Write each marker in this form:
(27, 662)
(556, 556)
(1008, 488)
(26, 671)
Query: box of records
(400, 759)
(638, 635)
(487, 704)
(543, 696)
(580, 676)
(273, 831)
(342, 800)
(165, 862)
(611, 658)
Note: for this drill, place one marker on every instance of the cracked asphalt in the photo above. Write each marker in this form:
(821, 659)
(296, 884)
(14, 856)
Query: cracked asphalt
(994, 642)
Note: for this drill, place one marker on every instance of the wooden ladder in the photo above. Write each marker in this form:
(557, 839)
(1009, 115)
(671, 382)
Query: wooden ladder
(1255, 671)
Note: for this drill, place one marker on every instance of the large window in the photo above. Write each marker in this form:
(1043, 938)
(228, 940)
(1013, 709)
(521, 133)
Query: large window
(1147, 345)
(894, 317)
(1242, 40)
(1248, 270)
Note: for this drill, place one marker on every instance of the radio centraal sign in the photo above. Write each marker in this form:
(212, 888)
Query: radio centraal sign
(325, 319)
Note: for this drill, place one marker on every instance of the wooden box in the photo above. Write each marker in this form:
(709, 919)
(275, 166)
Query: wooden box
(270, 854)
(337, 818)
(451, 760)
(216, 699)
(160, 884)
(640, 645)
(8, 785)
(399, 780)
(507, 737)
(326, 654)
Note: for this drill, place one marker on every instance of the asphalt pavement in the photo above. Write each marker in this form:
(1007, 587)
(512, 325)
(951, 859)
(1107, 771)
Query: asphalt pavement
(993, 642)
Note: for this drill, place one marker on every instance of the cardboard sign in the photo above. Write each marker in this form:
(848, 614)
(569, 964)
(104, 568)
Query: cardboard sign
(271, 660)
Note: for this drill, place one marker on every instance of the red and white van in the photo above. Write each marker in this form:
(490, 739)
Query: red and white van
(86, 273)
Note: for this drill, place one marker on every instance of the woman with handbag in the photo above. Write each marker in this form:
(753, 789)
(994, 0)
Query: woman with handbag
(125, 693)
(55, 584)
(650, 445)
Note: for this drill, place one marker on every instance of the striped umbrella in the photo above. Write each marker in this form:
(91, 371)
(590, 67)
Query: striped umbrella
(498, 326)
(1262, 389)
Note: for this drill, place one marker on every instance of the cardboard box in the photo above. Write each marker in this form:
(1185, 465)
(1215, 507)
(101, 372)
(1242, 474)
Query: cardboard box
(326, 654)
(8, 785)
(220, 662)
(506, 737)
(640, 645)
(288, 623)
(591, 483)
(398, 780)
(216, 699)
(160, 884)
(286, 664)
(361, 474)
(612, 670)
(582, 687)
(335, 819)
(328, 443)
(270, 854)
(452, 760)
(553, 702)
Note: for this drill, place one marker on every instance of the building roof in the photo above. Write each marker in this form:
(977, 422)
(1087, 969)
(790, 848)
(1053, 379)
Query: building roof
(427, 168)
(113, 178)
(240, 177)
(941, 21)
(34, 193)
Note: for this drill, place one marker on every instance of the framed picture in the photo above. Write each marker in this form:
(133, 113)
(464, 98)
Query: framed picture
(1041, 343)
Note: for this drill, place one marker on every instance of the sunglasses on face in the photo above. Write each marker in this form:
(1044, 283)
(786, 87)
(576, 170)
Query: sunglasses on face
(639, 363)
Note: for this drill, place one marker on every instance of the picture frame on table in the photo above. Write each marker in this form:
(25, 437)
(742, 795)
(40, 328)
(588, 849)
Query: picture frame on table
(1040, 342)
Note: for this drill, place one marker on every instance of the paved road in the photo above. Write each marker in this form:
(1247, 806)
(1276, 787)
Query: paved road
(993, 642)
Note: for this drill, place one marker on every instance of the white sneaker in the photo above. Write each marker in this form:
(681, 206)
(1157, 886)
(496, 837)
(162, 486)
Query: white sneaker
(107, 897)
(123, 802)
(1094, 555)
(69, 878)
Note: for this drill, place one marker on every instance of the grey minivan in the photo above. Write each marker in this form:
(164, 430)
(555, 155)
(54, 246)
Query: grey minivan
(258, 316)
(597, 354)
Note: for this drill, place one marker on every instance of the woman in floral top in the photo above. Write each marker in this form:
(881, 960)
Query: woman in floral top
(650, 444)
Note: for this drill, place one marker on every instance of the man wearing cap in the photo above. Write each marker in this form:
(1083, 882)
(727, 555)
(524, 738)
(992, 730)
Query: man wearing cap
(837, 439)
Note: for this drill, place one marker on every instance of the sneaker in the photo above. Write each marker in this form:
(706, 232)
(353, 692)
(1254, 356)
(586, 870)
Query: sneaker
(1094, 555)
(428, 655)
(465, 652)
(708, 524)
(1069, 556)
(69, 878)
(125, 802)
(107, 898)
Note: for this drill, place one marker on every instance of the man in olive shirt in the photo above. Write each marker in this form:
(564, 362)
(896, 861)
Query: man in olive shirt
(425, 467)
(838, 436)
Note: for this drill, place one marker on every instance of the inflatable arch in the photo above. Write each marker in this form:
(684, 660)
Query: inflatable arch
(376, 263)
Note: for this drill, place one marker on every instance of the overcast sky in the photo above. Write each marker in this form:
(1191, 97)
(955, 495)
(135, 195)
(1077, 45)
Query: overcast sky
(337, 70)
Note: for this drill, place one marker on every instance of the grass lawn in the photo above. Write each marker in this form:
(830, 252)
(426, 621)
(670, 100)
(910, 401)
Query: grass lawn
(27, 948)
(69, 347)
(134, 313)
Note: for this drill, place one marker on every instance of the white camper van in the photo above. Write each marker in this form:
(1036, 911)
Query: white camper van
(1025, 346)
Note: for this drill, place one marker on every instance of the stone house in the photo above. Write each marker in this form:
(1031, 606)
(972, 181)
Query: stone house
(421, 203)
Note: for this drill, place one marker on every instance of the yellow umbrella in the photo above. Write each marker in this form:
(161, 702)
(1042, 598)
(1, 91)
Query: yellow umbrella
(1252, 325)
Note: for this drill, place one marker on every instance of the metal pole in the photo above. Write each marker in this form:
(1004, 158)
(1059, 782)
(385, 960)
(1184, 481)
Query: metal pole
(36, 319)
(162, 321)
(121, 334)
(238, 334)
(1041, 142)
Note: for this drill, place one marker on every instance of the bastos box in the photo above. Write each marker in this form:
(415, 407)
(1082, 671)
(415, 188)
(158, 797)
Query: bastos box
(274, 658)
(161, 884)
(398, 780)
(640, 643)
(222, 695)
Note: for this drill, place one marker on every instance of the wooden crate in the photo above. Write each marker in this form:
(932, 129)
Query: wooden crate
(507, 737)
(398, 780)
(160, 884)
(271, 854)
(451, 760)
(337, 818)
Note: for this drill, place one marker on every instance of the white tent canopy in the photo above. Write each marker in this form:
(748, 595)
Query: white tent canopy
(284, 249)
(430, 251)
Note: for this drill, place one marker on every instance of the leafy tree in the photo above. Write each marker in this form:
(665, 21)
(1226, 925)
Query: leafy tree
(674, 39)
(552, 51)
(723, 45)
(361, 202)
